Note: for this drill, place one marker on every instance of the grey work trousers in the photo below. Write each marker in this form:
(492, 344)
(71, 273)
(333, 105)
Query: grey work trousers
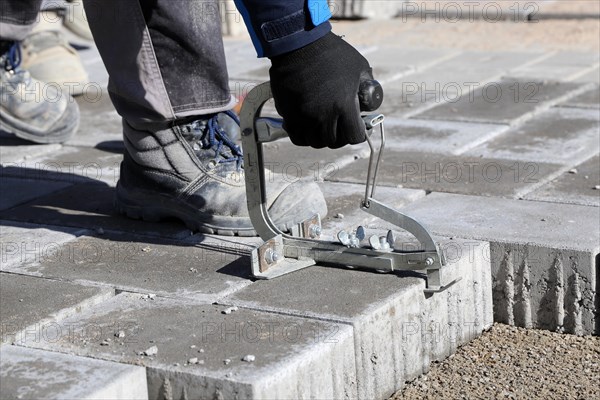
(165, 58)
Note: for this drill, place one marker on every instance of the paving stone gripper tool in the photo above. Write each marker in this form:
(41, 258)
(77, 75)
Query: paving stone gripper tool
(282, 253)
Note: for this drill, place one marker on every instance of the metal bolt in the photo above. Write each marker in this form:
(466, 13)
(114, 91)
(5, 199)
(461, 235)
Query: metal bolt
(271, 256)
(314, 231)
(429, 261)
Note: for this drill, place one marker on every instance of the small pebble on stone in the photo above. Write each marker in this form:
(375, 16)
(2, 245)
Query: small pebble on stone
(146, 249)
(249, 358)
(193, 346)
(104, 343)
(226, 361)
(120, 334)
(152, 351)
(229, 310)
(193, 360)
(194, 270)
(339, 216)
(597, 187)
(573, 171)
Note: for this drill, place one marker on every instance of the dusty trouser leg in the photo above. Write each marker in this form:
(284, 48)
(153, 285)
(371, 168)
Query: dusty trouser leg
(29, 109)
(165, 58)
(168, 80)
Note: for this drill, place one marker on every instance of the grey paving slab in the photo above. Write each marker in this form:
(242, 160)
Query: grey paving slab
(72, 164)
(89, 206)
(391, 62)
(100, 125)
(242, 62)
(561, 66)
(507, 101)
(37, 374)
(410, 99)
(558, 135)
(589, 99)
(24, 243)
(343, 203)
(592, 76)
(203, 269)
(14, 151)
(283, 157)
(294, 357)
(462, 73)
(544, 256)
(391, 317)
(580, 186)
(437, 137)
(454, 174)
(19, 191)
(34, 307)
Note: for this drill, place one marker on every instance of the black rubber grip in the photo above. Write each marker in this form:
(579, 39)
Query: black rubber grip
(370, 95)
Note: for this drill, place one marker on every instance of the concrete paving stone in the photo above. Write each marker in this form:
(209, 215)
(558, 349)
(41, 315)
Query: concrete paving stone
(90, 206)
(398, 330)
(558, 135)
(437, 137)
(34, 307)
(408, 101)
(100, 125)
(573, 188)
(589, 99)
(454, 174)
(283, 157)
(71, 164)
(203, 269)
(344, 200)
(559, 66)
(38, 374)
(391, 62)
(13, 150)
(464, 72)
(294, 357)
(25, 243)
(592, 76)
(19, 191)
(553, 73)
(242, 61)
(544, 256)
(508, 101)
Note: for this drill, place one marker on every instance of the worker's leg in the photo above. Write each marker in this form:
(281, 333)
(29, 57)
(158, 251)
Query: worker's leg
(30, 109)
(168, 80)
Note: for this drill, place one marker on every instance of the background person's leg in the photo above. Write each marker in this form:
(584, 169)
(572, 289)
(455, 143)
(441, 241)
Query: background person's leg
(17, 18)
(165, 58)
(30, 109)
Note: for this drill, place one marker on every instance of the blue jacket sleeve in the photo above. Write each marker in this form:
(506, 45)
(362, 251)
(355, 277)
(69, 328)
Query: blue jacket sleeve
(280, 26)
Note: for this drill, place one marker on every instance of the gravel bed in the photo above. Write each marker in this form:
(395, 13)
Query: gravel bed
(514, 363)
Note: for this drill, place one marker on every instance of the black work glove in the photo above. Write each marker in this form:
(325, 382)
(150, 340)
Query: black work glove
(315, 89)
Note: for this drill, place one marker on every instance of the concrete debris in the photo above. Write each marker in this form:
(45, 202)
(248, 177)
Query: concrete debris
(152, 351)
(229, 310)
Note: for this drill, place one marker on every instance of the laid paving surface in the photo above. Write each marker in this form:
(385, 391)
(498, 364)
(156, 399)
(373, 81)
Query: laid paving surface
(33, 307)
(579, 185)
(37, 374)
(544, 269)
(453, 174)
(479, 115)
(293, 357)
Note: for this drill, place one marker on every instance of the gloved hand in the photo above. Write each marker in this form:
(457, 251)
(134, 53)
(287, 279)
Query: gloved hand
(315, 89)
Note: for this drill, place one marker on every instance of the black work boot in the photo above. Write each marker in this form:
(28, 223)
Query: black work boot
(194, 172)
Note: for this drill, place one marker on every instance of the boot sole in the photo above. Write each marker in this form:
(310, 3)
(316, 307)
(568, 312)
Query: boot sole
(139, 207)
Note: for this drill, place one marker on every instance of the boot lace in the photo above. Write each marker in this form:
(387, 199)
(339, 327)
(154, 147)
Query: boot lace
(13, 57)
(210, 135)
